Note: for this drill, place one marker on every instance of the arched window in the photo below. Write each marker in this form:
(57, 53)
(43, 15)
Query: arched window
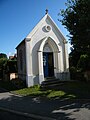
(21, 59)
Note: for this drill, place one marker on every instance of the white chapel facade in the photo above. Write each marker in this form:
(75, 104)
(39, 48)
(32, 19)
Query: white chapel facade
(43, 53)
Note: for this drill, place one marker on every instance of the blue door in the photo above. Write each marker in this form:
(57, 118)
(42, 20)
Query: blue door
(48, 64)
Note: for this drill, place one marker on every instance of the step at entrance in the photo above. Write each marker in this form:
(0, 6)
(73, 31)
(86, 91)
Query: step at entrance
(51, 82)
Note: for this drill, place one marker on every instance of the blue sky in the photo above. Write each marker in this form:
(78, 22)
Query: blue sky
(18, 17)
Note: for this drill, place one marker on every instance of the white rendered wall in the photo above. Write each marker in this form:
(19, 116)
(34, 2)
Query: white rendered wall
(36, 41)
(29, 68)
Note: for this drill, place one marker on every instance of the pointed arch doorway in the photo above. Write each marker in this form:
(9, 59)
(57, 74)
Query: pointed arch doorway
(48, 64)
(48, 58)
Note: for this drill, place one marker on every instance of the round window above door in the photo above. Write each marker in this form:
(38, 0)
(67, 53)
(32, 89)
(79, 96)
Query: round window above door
(48, 28)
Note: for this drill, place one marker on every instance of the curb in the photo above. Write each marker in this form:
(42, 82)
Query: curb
(37, 117)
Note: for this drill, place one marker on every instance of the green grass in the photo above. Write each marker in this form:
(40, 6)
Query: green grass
(54, 94)
(70, 90)
(29, 91)
(32, 91)
(36, 91)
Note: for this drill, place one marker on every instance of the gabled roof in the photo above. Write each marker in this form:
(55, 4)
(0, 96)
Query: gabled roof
(57, 28)
(37, 27)
(23, 41)
(47, 16)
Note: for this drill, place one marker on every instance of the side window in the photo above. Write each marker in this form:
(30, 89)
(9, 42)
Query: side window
(21, 59)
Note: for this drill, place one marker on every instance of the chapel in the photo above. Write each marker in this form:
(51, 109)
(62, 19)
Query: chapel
(43, 53)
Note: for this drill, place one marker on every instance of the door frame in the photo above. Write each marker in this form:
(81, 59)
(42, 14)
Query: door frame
(47, 69)
(56, 54)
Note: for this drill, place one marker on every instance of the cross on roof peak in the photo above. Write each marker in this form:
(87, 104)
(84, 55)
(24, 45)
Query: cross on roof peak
(46, 11)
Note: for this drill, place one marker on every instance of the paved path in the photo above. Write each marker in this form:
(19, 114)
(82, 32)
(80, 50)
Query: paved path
(59, 109)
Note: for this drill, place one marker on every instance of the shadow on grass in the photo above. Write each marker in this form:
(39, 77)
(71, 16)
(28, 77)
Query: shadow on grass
(69, 90)
(73, 90)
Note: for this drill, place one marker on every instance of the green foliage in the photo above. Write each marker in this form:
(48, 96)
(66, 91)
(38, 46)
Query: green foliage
(3, 62)
(73, 69)
(83, 63)
(76, 19)
(2, 55)
(6, 65)
(11, 66)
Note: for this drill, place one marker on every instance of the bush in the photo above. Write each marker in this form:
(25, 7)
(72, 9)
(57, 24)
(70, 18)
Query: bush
(18, 83)
(83, 63)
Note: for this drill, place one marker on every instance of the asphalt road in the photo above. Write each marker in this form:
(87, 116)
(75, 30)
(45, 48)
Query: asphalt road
(11, 116)
(60, 109)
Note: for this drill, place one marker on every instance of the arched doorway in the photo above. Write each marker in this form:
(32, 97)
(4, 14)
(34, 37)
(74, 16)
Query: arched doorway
(48, 61)
(48, 52)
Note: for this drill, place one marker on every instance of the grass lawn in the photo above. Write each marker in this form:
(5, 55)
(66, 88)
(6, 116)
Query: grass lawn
(37, 91)
(70, 90)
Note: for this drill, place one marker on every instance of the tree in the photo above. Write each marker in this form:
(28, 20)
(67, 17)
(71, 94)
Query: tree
(3, 62)
(83, 63)
(76, 19)
(6, 65)
(11, 66)
(2, 55)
